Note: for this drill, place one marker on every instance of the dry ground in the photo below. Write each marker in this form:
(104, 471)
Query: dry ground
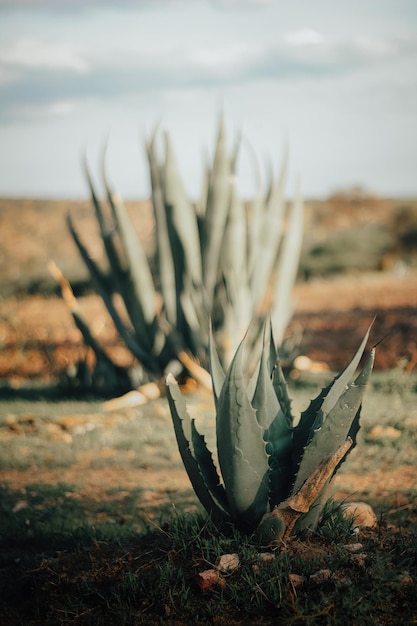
(39, 341)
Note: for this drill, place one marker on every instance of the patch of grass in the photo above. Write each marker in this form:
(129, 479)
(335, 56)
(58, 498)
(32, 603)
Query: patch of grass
(346, 250)
(125, 556)
(151, 578)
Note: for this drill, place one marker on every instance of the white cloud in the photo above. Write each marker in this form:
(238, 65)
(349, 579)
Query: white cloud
(33, 53)
(304, 36)
(224, 58)
(341, 79)
(38, 113)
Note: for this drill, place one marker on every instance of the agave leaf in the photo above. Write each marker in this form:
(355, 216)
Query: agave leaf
(165, 262)
(183, 432)
(202, 198)
(241, 450)
(141, 353)
(264, 399)
(254, 213)
(207, 467)
(217, 209)
(102, 220)
(306, 500)
(278, 379)
(234, 268)
(135, 281)
(337, 426)
(191, 327)
(341, 382)
(138, 271)
(107, 229)
(270, 237)
(311, 519)
(316, 412)
(235, 152)
(217, 373)
(277, 433)
(184, 218)
(287, 268)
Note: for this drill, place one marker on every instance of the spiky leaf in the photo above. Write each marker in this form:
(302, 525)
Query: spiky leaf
(335, 429)
(277, 433)
(318, 409)
(183, 433)
(207, 467)
(242, 454)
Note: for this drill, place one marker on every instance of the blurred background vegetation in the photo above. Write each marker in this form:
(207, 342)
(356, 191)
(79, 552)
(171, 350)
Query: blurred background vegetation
(350, 231)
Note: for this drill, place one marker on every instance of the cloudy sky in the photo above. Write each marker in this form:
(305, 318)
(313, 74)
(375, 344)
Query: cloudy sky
(336, 78)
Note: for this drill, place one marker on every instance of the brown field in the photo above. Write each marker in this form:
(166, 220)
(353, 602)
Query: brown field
(39, 339)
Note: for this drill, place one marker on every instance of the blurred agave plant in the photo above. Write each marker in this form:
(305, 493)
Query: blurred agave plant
(220, 260)
(273, 471)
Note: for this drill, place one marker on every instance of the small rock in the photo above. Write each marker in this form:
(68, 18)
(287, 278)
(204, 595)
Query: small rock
(296, 580)
(383, 432)
(342, 580)
(352, 547)
(227, 563)
(20, 504)
(321, 576)
(358, 560)
(266, 557)
(303, 363)
(362, 514)
(130, 399)
(405, 579)
(207, 579)
(151, 391)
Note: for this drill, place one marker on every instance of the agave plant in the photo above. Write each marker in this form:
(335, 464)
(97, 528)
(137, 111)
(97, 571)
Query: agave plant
(273, 471)
(219, 259)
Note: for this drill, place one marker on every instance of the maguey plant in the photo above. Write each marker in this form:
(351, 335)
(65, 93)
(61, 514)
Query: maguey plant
(219, 259)
(273, 472)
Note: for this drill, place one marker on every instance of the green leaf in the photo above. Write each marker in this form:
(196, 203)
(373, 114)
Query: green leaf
(235, 271)
(217, 209)
(277, 433)
(278, 379)
(107, 227)
(270, 237)
(334, 430)
(139, 350)
(241, 449)
(315, 414)
(184, 218)
(183, 432)
(217, 373)
(164, 259)
(286, 268)
(207, 467)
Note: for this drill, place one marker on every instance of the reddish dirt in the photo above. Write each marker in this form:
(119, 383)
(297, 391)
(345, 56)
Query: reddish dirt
(39, 339)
